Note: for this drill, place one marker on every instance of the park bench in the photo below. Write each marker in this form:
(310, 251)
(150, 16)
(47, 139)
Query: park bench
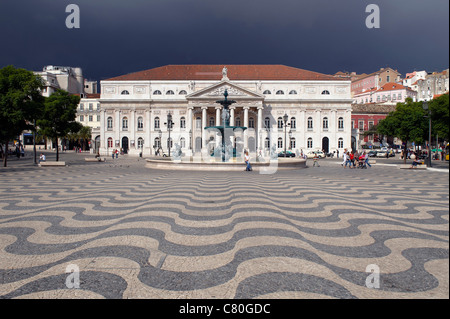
(95, 159)
(404, 166)
(51, 163)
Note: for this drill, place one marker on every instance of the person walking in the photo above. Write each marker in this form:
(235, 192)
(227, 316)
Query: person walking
(366, 161)
(316, 160)
(247, 161)
(344, 159)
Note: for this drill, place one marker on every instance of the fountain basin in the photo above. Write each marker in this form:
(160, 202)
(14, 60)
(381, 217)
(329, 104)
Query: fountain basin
(197, 164)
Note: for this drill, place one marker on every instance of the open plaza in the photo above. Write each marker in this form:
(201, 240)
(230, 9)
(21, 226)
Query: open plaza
(121, 229)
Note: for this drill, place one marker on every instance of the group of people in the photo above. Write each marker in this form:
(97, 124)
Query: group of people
(355, 160)
(115, 153)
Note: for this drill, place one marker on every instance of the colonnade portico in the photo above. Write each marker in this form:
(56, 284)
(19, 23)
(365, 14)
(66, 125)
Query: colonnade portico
(205, 113)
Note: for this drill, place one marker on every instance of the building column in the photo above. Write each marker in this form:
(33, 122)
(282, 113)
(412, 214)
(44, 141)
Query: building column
(232, 108)
(246, 108)
(190, 131)
(148, 144)
(103, 126)
(132, 126)
(260, 128)
(218, 115)
(204, 108)
(117, 127)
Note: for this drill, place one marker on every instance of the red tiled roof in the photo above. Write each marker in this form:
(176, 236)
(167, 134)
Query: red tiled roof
(392, 86)
(214, 72)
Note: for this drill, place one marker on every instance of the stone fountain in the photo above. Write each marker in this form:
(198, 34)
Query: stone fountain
(226, 151)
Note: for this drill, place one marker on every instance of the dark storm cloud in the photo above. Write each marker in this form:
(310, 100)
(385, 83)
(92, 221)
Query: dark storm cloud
(118, 37)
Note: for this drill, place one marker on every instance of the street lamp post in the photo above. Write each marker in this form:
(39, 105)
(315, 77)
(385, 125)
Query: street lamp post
(169, 126)
(426, 107)
(190, 140)
(160, 141)
(285, 119)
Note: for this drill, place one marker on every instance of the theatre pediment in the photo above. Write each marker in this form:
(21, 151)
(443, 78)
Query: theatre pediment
(216, 91)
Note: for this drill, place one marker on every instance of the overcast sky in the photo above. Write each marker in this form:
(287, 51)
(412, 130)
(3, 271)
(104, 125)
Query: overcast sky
(117, 37)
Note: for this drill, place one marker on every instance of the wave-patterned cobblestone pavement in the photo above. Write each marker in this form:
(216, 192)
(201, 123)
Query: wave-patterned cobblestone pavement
(140, 233)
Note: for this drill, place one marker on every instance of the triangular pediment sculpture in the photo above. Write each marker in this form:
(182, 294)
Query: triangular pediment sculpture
(217, 90)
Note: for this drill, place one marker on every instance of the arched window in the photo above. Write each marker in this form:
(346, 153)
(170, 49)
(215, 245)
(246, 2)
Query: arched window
(125, 92)
(140, 123)
(170, 92)
(267, 143)
(198, 123)
(169, 143)
(267, 92)
(325, 123)
(125, 123)
(267, 122)
(341, 123)
(140, 142)
(211, 121)
(340, 142)
(325, 92)
(110, 142)
(293, 92)
(182, 123)
(238, 121)
(310, 143)
(157, 92)
(109, 124)
(293, 123)
(280, 142)
(157, 123)
(280, 123)
(292, 146)
(182, 92)
(183, 142)
(279, 92)
(310, 123)
(157, 143)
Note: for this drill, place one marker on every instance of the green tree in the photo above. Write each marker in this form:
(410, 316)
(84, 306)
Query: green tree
(59, 115)
(85, 134)
(407, 123)
(21, 103)
(439, 108)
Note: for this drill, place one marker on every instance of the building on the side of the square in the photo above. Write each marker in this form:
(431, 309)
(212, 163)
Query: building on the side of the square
(88, 114)
(364, 118)
(390, 93)
(65, 78)
(375, 80)
(412, 78)
(434, 84)
(135, 108)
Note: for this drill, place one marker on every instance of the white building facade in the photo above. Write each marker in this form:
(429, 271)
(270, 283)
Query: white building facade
(134, 109)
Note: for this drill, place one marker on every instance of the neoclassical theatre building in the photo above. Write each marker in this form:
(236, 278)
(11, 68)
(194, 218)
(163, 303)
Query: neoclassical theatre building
(135, 109)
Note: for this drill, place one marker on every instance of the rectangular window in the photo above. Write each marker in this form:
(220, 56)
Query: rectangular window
(98, 118)
(81, 118)
(361, 125)
(371, 124)
(91, 107)
(90, 118)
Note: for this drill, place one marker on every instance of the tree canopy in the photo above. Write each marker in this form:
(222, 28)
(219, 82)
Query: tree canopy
(21, 102)
(59, 115)
(439, 108)
(407, 122)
